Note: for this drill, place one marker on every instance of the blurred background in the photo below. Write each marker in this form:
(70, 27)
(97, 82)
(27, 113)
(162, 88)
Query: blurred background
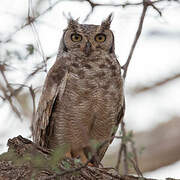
(30, 32)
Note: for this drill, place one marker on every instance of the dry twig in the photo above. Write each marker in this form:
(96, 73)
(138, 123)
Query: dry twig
(146, 4)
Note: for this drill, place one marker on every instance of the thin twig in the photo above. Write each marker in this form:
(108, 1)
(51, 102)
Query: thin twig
(119, 158)
(135, 161)
(124, 144)
(93, 5)
(36, 35)
(134, 152)
(138, 33)
(30, 20)
(6, 93)
(146, 4)
(143, 88)
(33, 94)
(123, 148)
(139, 173)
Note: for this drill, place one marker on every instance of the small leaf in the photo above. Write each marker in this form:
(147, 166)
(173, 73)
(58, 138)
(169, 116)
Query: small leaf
(30, 49)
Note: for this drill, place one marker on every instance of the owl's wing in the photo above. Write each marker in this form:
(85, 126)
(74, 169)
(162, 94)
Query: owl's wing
(103, 150)
(54, 85)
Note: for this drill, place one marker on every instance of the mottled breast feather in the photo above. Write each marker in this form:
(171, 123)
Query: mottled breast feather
(82, 101)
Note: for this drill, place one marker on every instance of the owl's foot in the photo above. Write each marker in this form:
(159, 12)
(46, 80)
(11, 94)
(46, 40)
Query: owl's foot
(80, 154)
(68, 155)
(90, 164)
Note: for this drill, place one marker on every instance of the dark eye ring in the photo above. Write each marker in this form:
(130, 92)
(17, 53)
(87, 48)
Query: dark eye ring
(76, 37)
(100, 37)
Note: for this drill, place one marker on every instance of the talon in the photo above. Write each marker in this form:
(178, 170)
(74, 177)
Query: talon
(80, 154)
(90, 164)
(68, 155)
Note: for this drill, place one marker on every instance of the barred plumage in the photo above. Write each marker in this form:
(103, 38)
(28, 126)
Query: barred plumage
(82, 100)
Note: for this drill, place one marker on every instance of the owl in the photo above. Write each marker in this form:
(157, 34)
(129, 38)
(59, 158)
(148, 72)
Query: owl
(82, 101)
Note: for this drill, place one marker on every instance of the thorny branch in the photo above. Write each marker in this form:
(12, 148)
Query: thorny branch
(123, 5)
(146, 4)
(32, 92)
(30, 20)
(36, 35)
(123, 148)
(8, 90)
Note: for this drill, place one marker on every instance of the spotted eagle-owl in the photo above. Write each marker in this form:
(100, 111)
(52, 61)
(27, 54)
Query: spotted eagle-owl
(82, 101)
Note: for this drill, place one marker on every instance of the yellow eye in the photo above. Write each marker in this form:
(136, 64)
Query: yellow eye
(100, 37)
(76, 37)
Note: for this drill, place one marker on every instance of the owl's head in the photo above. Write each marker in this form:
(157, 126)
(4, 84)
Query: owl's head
(88, 38)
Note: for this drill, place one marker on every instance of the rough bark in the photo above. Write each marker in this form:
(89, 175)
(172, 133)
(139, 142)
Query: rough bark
(25, 160)
(161, 146)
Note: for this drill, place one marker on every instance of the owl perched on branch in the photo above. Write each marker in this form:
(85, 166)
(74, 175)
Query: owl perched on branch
(82, 101)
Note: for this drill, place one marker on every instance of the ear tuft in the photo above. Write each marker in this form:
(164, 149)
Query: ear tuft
(73, 24)
(107, 22)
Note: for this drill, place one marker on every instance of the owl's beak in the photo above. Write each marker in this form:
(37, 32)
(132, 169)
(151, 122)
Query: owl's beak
(87, 48)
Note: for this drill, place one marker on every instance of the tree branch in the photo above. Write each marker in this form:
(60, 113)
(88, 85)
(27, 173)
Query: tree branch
(146, 4)
(143, 88)
(26, 160)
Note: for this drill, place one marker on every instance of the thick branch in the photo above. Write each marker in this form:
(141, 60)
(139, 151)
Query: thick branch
(25, 160)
